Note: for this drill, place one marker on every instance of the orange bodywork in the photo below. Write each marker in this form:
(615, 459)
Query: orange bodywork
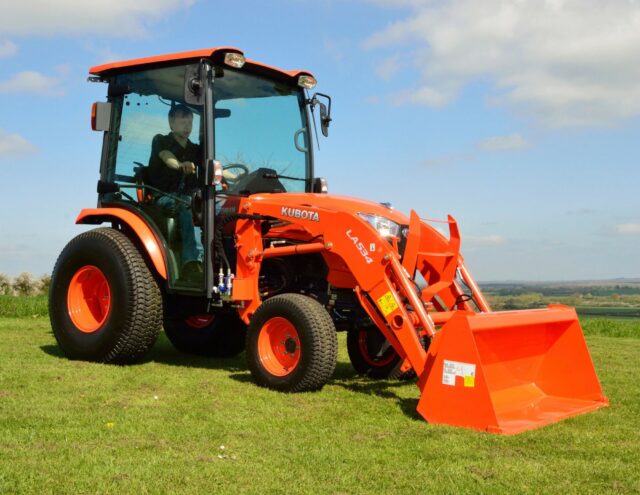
(194, 55)
(501, 372)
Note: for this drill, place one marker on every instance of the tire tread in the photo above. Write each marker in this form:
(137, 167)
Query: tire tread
(324, 342)
(143, 318)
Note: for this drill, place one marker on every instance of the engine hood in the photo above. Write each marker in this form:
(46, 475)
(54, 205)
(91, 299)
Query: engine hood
(331, 202)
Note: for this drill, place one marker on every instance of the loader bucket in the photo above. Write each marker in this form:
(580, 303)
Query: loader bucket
(507, 372)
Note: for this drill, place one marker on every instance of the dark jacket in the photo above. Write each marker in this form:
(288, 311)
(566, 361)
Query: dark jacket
(166, 179)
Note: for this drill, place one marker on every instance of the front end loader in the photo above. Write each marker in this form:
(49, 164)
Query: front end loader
(284, 264)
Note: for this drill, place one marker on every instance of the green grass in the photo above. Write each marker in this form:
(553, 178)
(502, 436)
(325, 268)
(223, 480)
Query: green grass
(159, 427)
(608, 327)
(23, 306)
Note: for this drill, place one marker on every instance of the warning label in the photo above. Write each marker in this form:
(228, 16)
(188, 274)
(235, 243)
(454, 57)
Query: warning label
(455, 368)
(387, 303)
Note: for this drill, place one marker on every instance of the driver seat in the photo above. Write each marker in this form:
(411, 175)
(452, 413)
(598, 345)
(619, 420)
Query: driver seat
(164, 218)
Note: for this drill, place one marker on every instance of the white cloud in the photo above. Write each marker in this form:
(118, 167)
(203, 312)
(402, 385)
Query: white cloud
(95, 17)
(13, 145)
(628, 228)
(450, 160)
(492, 144)
(388, 67)
(103, 52)
(426, 95)
(503, 143)
(564, 62)
(483, 240)
(8, 48)
(32, 82)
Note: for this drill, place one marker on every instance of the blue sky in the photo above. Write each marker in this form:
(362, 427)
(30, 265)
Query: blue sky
(520, 118)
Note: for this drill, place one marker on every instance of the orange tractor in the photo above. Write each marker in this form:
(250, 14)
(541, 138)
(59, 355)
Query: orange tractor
(221, 234)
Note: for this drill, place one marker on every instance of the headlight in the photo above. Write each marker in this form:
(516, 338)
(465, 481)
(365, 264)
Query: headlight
(233, 59)
(384, 226)
(307, 82)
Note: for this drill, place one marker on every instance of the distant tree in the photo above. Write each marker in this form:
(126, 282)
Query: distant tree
(6, 288)
(43, 284)
(24, 284)
(510, 303)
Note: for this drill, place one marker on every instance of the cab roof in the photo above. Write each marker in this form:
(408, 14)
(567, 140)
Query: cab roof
(214, 54)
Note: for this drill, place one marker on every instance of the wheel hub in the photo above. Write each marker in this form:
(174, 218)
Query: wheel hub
(279, 346)
(290, 345)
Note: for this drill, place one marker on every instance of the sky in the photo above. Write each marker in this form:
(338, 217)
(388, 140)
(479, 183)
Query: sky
(518, 117)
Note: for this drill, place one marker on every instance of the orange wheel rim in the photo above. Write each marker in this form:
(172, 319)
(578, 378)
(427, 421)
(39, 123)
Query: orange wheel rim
(199, 321)
(279, 346)
(363, 343)
(88, 299)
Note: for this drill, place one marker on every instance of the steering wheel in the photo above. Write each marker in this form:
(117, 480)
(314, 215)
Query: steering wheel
(243, 170)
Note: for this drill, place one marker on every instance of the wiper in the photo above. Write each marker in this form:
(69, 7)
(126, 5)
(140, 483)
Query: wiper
(275, 176)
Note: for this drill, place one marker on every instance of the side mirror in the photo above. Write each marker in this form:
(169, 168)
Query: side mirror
(325, 111)
(325, 119)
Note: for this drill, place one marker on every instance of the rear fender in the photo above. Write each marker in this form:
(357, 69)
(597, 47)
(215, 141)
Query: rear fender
(142, 230)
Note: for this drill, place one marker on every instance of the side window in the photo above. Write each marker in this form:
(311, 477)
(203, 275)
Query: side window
(143, 117)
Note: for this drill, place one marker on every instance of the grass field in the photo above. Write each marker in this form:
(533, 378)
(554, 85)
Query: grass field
(24, 306)
(178, 424)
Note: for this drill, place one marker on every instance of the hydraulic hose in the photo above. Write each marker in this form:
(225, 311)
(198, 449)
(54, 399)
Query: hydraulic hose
(221, 221)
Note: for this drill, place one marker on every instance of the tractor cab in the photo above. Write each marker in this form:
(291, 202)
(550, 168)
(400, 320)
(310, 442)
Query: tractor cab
(245, 127)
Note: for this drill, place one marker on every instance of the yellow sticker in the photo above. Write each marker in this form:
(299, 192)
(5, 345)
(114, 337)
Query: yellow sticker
(387, 303)
(469, 381)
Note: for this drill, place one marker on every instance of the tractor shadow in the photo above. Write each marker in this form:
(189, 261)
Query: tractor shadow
(53, 350)
(344, 376)
(164, 353)
(347, 378)
(385, 389)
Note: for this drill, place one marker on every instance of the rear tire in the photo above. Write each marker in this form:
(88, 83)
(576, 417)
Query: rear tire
(371, 355)
(292, 344)
(220, 336)
(104, 303)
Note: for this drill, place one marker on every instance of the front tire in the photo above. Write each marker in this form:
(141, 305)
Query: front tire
(292, 344)
(104, 303)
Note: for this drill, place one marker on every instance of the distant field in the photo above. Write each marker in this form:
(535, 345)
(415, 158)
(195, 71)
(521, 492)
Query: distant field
(609, 301)
(608, 311)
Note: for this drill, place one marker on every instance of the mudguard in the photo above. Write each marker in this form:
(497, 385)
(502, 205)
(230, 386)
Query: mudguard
(137, 224)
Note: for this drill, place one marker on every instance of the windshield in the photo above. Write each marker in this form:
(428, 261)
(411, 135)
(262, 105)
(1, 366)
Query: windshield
(261, 124)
